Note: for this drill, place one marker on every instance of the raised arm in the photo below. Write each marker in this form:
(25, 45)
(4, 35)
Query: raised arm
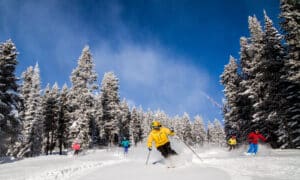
(262, 138)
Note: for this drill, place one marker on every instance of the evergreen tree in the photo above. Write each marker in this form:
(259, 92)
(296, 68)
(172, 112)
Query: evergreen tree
(146, 123)
(245, 98)
(125, 119)
(178, 128)
(186, 129)
(81, 100)
(218, 135)
(141, 117)
(198, 131)
(232, 108)
(210, 133)
(110, 101)
(269, 78)
(289, 134)
(99, 121)
(31, 144)
(93, 115)
(162, 117)
(26, 88)
(290, 10)
(251, 89)
(51, 105)
(136, 127)
(48, 117)
(10, 101)
(255, 86)
(63, 121)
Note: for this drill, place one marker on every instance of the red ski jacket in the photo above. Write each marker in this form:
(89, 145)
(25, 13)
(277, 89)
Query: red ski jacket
(253, 138)
(76, 146)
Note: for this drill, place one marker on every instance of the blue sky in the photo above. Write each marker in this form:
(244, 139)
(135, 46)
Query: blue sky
(167, 54)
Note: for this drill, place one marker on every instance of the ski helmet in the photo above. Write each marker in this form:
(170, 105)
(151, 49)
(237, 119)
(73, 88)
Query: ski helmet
(155, 125)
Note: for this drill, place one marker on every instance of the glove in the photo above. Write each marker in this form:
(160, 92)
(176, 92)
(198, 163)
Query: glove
(172, 130)
(150, 149)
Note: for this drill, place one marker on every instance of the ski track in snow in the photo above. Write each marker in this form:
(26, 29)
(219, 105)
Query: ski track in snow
(268, 164)
(216, 164)
(66, 173)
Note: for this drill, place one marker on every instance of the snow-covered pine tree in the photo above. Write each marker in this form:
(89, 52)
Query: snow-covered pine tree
(198, 131)
(232, 107)
(92, 112)
(269, 78)
(162, 117)
(215, 133)
(10, 101)
(250, 90)
(146, 123)
(210, 132)
(290, 10)
(171, 123)
(178, 128)
(51, 113)
(218, 135)
(141, 117)
(110, 101)
(99, 121)
(289, 134)
(63, 121)
(47, 113)
(255, 86)
(136, 127)
(186, 129)
(25, 94)
(245, 103)
(265, 72)
(31, 144)
(125, 119)
(81, 99)
(93, 124)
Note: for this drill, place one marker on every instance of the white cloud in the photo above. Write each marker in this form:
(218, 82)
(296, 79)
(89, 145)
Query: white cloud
(153, 77)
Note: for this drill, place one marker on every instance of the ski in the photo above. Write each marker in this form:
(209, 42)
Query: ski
(171, 167)
(158, 161)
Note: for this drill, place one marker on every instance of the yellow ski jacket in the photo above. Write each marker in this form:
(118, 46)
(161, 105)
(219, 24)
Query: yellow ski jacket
(160, 137)
(232, 141)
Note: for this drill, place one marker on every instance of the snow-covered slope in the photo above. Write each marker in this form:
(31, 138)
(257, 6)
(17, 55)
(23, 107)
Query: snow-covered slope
(216, 163)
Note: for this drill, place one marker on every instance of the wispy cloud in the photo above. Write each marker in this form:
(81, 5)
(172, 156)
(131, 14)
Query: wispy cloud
(154, 77)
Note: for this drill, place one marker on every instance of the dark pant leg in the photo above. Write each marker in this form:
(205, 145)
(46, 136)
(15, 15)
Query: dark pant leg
(163, 150)
(126, 149)
(170, 150)
(166, 150)
(231, 147)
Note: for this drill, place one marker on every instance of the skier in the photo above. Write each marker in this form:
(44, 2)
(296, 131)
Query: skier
(160, 135)
(76, 147)
(253, 138)
(232, 142)
(125, 144)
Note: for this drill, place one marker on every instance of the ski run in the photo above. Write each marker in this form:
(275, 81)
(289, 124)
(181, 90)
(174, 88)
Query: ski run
(216, 163)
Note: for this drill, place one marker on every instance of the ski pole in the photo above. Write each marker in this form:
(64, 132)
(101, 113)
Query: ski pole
(190, 149)
(148, 157)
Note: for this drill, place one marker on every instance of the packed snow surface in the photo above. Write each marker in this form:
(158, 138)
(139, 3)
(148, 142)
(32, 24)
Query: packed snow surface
(216, 163)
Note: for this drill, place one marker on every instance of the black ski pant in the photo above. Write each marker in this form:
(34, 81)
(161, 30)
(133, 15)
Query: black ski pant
(76, 152)
(231, 147)
(166, 150)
